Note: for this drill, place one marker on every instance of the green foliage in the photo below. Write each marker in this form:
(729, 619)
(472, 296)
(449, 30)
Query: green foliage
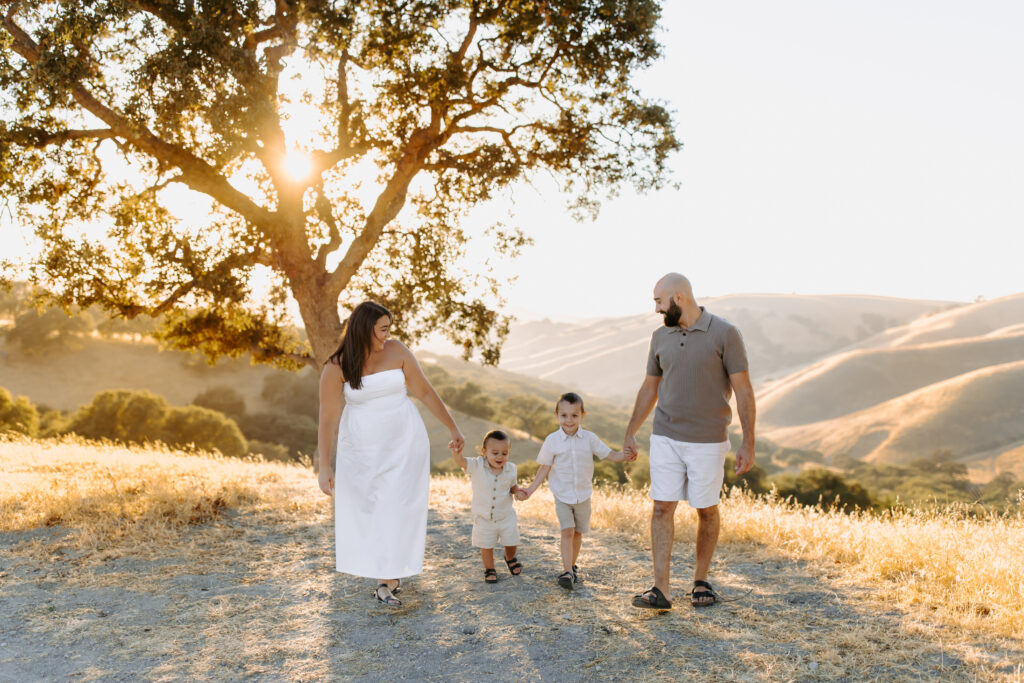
(204, 429)
(448, 103)
(17, 415)
(140, 417)
(529, 413)
(296, 432)
(270, 451)
(50, 330)
(222, 399)
(468, 398)
(122, 415)
(755, 480)
(293, 393)
(825, 487)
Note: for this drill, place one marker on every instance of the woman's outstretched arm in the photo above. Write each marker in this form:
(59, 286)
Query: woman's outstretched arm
(420, 387)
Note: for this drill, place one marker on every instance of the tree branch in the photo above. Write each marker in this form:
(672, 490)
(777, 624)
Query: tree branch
(196, 173)
(38, 137)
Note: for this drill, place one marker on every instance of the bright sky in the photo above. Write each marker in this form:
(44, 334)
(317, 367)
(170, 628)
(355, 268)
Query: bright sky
(830, 147)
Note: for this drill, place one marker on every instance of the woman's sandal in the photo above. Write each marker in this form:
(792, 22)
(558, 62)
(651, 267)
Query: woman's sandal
(515, 567)
(696, 595)
(386, 596)
(490, 576)
(565, 580)
(652, 598)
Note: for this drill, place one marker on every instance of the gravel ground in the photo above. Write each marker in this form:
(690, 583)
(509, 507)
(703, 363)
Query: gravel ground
(247, 599)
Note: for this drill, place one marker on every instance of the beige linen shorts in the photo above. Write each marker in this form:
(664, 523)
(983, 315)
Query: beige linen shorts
(488, 534)
(681, 470)
(577, 515)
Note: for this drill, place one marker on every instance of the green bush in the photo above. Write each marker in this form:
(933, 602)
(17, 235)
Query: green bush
(17, 415)
(293, 392)
(49, 330)
(296, 432)
(755, 480)
(270, 451)
(826, 487)
(122, 415)
(205, 429)
(223, 399)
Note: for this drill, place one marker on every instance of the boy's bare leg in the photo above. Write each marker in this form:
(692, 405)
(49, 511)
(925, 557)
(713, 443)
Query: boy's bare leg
(567, 545)
(708, 524)
(577, 541)
(510, 552)
(663, 529)
(488, 557)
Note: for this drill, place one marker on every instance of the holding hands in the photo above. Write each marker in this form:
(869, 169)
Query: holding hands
(457, 442)
(520, 493)
(629, 448)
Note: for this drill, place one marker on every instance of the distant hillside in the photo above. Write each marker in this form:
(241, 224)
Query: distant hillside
(1004, 315)
(607, 356)
(973, 415)
(851, 381)
(66, 379)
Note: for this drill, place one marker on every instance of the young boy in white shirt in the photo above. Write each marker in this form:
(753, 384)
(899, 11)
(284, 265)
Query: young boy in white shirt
(568, 456)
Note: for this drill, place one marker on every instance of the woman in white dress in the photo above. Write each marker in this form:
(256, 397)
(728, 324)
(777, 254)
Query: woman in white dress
(382, 479)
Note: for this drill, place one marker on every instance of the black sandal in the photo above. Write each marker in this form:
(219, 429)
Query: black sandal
(490, 576)
(696, 595)
(515, 567)
(575, 574)
(565, 580)
(398, 587)
(652, 598)
(389, 598)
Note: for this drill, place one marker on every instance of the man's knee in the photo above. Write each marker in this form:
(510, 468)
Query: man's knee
(568, 533)
(708, 514)
(664, 509)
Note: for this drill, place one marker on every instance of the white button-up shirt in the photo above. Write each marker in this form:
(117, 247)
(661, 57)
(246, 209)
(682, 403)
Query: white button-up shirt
(572, 463)
(491, 492)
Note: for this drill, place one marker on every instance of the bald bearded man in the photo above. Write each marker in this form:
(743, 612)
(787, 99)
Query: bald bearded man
(695, 363)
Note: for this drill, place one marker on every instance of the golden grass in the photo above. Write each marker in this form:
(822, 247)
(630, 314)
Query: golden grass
(140, 495)
(969, 571)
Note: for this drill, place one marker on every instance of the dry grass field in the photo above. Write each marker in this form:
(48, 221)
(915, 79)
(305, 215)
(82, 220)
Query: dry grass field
(148, 564)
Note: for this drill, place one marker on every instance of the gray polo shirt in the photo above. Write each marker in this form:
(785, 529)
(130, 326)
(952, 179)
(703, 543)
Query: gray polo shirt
(694, 364)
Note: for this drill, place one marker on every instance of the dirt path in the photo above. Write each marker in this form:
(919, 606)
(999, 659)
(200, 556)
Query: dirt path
(251, 598)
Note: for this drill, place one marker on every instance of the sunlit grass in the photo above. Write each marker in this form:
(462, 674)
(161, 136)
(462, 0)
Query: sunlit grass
(107, 493)
(968, 571)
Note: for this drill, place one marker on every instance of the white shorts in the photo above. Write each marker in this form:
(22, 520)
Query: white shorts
(488, 534)
(681, 470)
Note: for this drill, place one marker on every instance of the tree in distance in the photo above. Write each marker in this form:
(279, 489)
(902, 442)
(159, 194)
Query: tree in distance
(331, 148)
(17, 415)
(223, 399)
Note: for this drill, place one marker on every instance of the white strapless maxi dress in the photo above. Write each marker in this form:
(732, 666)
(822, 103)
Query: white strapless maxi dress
(382, 480)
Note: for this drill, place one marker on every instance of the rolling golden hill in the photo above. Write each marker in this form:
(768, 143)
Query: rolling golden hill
(1004, 315)
(607, 356)
(851, 381)
(978, 416)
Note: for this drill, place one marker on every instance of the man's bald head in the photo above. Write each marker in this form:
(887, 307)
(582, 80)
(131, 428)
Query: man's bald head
(674, 285)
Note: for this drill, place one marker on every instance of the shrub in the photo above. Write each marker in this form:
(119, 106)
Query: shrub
(205, 429)
(223, 399)
(17, 415)
(296, 432)
(121, 415)
(815, 486)
(270, 451)
(293, 392)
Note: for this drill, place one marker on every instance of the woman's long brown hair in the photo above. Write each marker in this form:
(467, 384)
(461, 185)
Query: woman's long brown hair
(356, 341)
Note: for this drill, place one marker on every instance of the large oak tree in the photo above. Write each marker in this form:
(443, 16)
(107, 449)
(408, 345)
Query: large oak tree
(438, 105)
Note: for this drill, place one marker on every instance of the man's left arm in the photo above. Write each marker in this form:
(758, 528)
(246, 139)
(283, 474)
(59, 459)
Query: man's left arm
(745, 407)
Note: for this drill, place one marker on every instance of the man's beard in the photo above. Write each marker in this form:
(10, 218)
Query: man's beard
(673, 315)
